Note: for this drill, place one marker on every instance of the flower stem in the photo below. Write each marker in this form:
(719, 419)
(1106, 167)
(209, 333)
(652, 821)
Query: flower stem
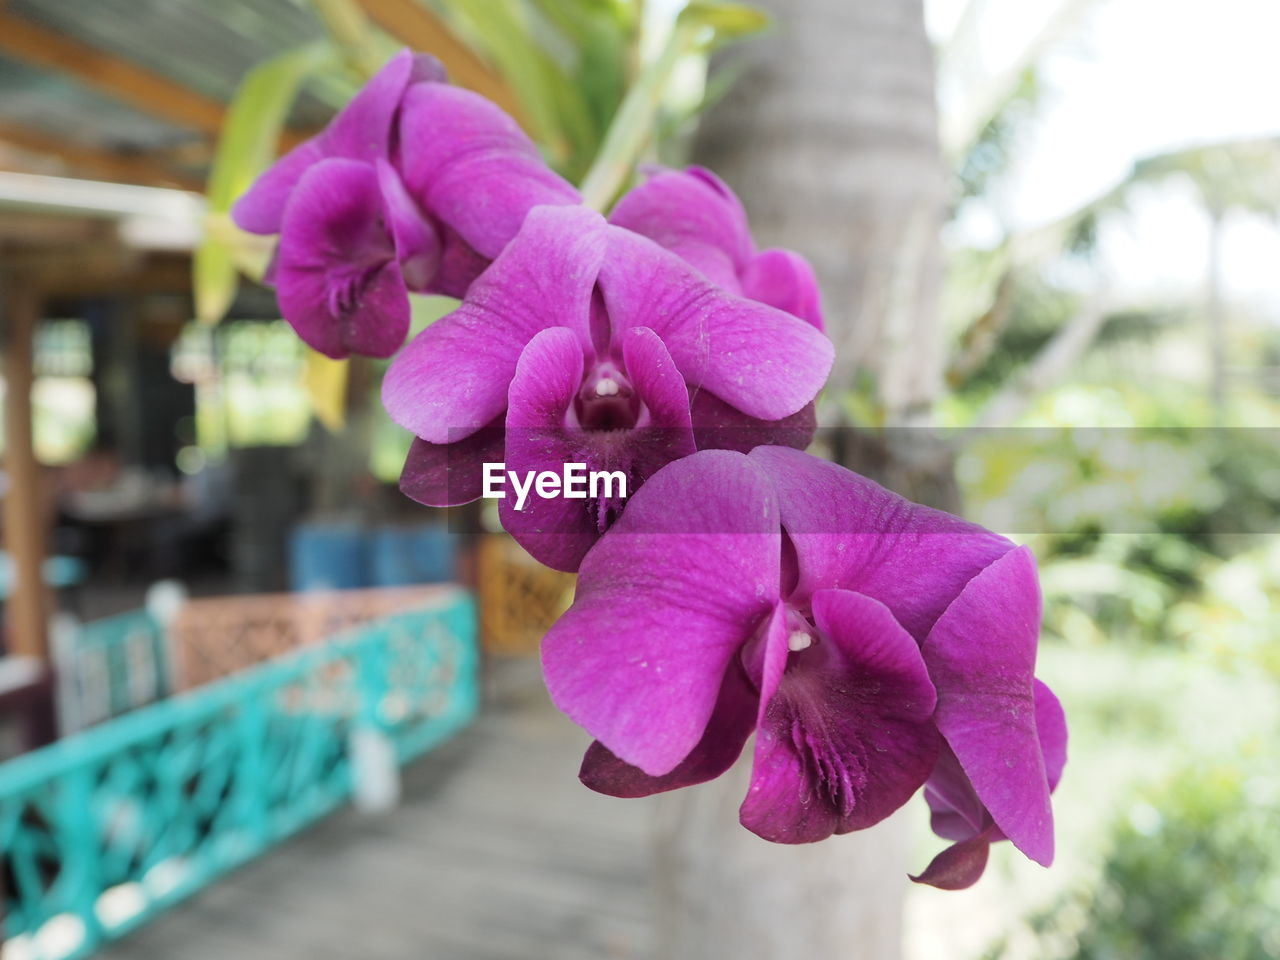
(633, 123)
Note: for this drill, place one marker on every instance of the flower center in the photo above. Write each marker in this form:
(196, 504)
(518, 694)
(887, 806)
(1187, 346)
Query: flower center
(606, 400)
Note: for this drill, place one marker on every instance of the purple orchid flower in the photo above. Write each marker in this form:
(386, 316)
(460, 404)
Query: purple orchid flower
(864, 639)
(585, 342)
(693, 213)
(414, 185)
(959, 815)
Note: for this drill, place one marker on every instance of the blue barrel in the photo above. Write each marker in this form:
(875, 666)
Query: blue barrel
(328, 557)
(403, 556)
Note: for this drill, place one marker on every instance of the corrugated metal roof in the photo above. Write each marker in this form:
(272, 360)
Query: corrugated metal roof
(205, 46)
(56, 105)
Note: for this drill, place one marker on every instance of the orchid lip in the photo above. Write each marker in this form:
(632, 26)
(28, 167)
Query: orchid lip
(606, 400)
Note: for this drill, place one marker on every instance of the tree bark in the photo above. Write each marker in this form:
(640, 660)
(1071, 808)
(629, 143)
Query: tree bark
(722, 892)
(831, 139)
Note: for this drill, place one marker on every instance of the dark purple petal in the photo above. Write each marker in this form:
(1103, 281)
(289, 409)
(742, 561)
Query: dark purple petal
(695, 216)
(449, 474)
(727, 731)
(845, 737)
(718, 426)
(417, 243)
(472, 166)
(664, 602)
(459, 266)
(557, 531)
(956, 812)
(851, 533)
(540, 436)
(960, 865)
(1051, 728)
(785, 280)
(981, 656)
(336, 276)
(360, 131)
(767, 363)
(666, 433)
(453, 377)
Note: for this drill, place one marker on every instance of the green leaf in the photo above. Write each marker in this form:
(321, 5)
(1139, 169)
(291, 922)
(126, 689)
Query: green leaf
(730, 21)
(254, 120)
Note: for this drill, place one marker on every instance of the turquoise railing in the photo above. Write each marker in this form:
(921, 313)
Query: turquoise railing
(104, 829)
(109, 667)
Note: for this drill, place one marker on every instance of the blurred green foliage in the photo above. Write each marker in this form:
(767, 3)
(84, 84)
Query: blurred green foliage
(1192, 873)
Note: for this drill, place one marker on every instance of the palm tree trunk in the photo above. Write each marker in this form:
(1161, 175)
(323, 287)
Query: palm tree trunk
(831, 138)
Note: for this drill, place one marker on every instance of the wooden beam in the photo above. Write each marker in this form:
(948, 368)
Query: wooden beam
(415, 26)
(24, 509)
(99, 163)
(150, 92)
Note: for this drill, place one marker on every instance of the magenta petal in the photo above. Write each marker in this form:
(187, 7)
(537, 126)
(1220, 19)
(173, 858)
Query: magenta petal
(449, 474)
(785, 280)
(845, 736)
(417, 244)
(667, 432)
(360, 131)
(695, 216)
(981, 656)
(453, 377)
(472, 166)
(727, 731)
(639, 658)
(851, 533)
(557, 531)
(718, 426)
(459, 266)
(956, 812)
(959, 866)
(336, 277)
(767, 363)
(1051, 728)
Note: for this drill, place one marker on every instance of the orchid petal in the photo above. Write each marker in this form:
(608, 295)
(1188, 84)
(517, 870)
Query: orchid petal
(452, 378)
(851, 533)
(981, 656)
(450, 474)
(727, 731)
(360, 131)
(639, 658)
(767, 363)
(472, 166)
(845, 736)
(959, 866)
(719, 426)
(785, 280)
(336, 277)
(668, 433)
(695, 216)
(557, 531)
(417, 243)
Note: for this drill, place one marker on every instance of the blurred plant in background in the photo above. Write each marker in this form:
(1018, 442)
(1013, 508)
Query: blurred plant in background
(1192, 871)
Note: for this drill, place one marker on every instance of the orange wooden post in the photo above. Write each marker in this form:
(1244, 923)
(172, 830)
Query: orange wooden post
(24, 514)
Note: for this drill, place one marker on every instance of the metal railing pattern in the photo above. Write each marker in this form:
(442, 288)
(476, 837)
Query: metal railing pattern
(104, 829)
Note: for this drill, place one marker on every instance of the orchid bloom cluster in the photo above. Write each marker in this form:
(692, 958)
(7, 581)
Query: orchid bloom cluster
(872, 647)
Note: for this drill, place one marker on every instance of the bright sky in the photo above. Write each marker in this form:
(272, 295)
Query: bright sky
(1135, 77)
